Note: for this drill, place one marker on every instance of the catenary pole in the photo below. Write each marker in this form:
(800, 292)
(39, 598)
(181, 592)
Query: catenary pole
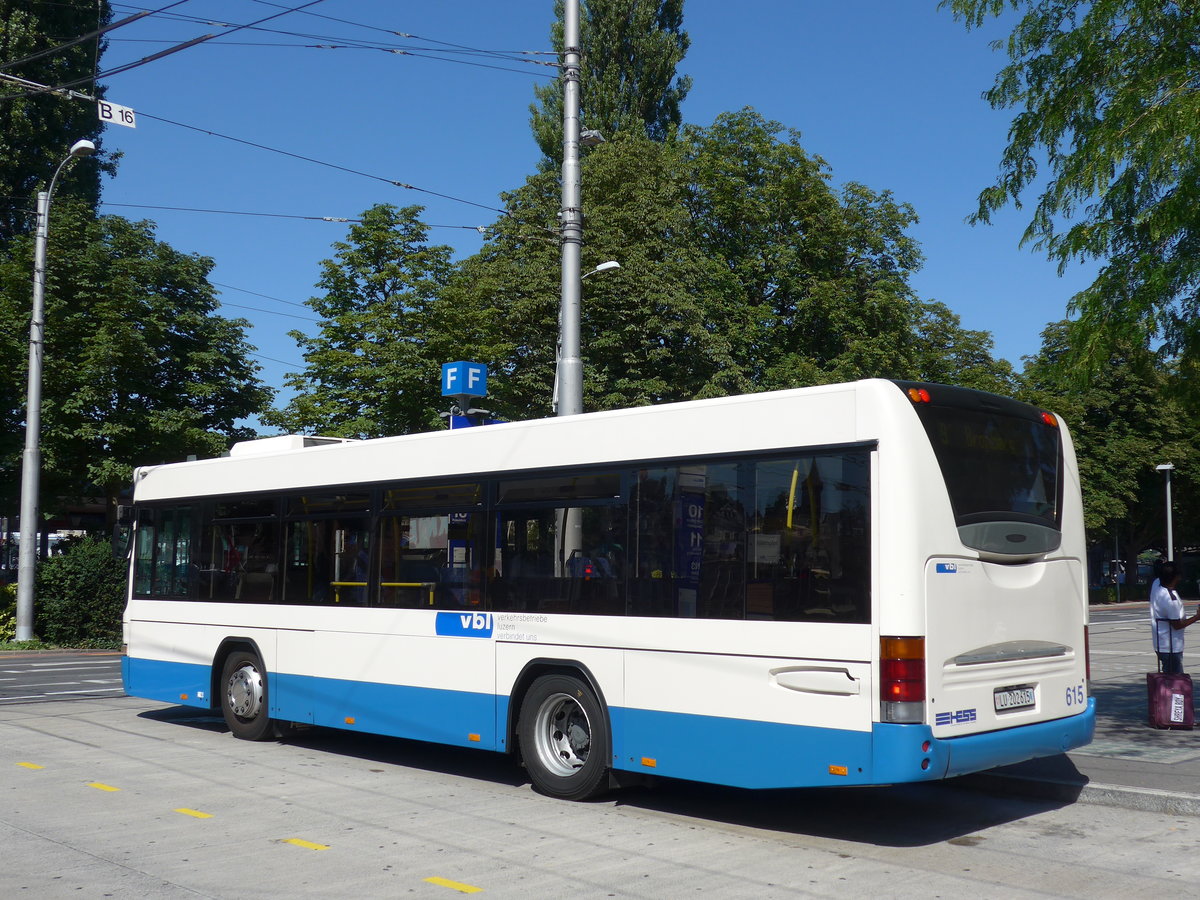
(31, 461)
(570, 365)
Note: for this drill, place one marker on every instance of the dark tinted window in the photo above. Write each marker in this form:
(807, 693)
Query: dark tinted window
(163, 564)
(1001, 461)
(996, 466)
(783, 538)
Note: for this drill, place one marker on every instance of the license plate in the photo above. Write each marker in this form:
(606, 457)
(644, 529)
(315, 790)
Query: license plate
(1010, 698)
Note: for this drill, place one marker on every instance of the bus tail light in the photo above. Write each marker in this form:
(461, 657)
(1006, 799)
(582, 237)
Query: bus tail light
(902, 679)
(1087, 656)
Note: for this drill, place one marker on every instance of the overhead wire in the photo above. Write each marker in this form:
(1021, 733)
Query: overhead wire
(328, 165)
(185, 45)
(343, 42)
(271, 312)
(393, 51)
(231, 287)
(303, 9)
(32, 57)
(403, 34)
(274, 360)
(237, 212)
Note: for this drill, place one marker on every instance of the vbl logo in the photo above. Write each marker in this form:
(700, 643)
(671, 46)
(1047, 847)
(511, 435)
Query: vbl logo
(947, 568)
(467, 624)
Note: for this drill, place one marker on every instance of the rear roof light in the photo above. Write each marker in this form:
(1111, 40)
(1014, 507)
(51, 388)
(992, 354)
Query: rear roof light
(919, 395)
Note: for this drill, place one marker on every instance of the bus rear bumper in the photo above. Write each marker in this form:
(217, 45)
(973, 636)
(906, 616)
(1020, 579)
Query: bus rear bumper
(975, 753)
(897, 759)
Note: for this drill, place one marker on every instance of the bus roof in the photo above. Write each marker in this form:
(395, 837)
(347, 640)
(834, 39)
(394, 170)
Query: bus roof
(829, 415)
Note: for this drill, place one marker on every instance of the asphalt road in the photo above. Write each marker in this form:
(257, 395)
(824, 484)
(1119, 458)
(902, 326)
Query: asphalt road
(26, 678)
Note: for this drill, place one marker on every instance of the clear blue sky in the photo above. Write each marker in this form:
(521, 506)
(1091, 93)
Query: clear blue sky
(886, 91)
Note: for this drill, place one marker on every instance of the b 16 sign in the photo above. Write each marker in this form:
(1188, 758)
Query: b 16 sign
(112, 114)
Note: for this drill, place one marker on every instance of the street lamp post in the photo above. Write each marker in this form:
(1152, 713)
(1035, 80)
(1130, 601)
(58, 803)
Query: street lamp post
(1168, 468)
(569, 390)
(31, 457)
(556, 398)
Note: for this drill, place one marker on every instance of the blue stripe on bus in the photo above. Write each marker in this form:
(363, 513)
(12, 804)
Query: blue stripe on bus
(461, 718)
(735, 752)
(173, 682)
(750, 754)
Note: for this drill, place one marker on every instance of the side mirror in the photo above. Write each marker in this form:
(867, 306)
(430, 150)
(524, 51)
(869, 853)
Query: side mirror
(122, 536)
(122, 540)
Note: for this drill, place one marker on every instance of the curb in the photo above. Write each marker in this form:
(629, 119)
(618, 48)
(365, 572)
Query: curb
(1172, 803)
(20, 654)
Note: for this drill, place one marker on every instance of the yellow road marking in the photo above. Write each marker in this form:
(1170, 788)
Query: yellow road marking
(30, 766)
(195, 813)
(307, 845)
(454, 885)
(102, 787)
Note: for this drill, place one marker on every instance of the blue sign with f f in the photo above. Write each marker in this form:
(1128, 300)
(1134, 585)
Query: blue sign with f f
(464, 379)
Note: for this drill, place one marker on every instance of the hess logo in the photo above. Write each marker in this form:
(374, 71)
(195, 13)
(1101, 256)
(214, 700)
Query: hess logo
(464, 624)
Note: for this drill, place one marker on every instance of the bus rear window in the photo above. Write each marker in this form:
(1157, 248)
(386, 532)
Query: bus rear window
(1002, 463)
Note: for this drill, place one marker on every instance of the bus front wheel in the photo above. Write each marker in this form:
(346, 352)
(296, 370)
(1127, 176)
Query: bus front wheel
(244, 696)
(564, 738)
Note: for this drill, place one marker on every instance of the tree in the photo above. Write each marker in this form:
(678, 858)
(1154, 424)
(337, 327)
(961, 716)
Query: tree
(37, 129)
(374, 368)
(630, 49)
(1124, 420)
(817, 280)
(140, 367)
(947, 353)
(648, 334)
(742, 269)
(1109, 105)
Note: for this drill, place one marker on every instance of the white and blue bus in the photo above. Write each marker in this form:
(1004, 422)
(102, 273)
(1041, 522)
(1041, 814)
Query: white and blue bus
(854, 584)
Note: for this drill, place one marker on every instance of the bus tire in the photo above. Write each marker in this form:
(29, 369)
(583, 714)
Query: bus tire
(564, 738)
(244, 696)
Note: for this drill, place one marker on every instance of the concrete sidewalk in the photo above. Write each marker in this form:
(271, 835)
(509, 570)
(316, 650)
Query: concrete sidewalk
(1129, 763)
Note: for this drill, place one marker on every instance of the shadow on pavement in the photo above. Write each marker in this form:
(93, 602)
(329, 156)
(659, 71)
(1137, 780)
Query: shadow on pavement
(898, 816)
(912, 815)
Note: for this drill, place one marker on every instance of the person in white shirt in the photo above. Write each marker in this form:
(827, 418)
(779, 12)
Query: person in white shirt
(1167, 620)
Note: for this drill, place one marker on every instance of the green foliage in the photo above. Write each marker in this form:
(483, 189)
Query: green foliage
(742, 269)
(1106, 94)
(627, 82)
(816, 281)
(37, 129)
(139, 366)
(8, 613)
(1124, 421)
(374, 368)
(80, 596)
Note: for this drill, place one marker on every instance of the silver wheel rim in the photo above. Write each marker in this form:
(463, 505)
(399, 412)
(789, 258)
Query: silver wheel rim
(562, 735)
(245, 692)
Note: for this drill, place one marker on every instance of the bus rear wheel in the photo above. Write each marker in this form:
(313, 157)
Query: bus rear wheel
(564, 739)
(244, 696)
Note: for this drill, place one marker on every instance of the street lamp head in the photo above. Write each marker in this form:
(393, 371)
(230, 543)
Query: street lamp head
(82, 148)
(1164, 467)
(603, 267)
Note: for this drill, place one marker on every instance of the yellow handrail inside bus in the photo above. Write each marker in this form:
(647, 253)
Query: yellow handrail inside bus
(338, 585)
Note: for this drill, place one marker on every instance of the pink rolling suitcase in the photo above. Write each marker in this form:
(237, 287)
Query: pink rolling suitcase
(1169, 698)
